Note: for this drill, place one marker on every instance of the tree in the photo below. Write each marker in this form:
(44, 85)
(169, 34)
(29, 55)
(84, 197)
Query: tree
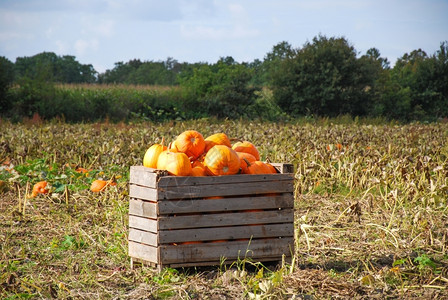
(322, 78)
(273, 59)
(424, 78)
(6, 79)
(65, 69)
(222, 89)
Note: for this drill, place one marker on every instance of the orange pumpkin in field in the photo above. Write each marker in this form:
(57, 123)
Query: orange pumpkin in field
(152, 155)
(39, 188)
(98, 185)
(222, 160)
(217, 139)
(190, 142)
(247, 147)
(176, 163)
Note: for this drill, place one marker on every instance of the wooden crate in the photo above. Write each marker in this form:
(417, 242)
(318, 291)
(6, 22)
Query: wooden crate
(197, 221)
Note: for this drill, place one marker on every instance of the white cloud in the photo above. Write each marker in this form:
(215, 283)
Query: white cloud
(83, 46)
(61, 46)
(200, 32)
(105, 28)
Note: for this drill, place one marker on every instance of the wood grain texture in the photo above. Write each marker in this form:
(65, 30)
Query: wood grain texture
(229, 250)
(226, 233)
(144, 252)
(226, 219)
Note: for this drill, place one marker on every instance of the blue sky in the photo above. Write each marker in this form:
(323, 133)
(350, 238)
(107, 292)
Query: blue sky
(103, 32)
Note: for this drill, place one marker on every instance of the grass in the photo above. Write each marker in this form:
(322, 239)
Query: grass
(371, 213)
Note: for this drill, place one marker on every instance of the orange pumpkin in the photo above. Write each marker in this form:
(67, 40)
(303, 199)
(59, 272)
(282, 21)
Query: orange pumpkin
(249, 157)
(172, 146)
(198, 171)
(217, 139)
(82, 170)
(197, 163)
(176, 163)
(257, 167)
(98, 185)
(40, 188)
(190, 142)
(222, 160)
(152, 155)
(247, 147)
(272, 168)
(191, 243)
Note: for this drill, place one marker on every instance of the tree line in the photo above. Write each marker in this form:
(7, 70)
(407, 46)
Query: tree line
(324, 77)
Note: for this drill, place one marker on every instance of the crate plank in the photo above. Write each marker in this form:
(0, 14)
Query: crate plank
(185, 192)
(141, 192)
(275, 247)
(246, 188)
(178, 181)
(282, 200)
(143, 176)
(226, 233)
(142, 223)
(143, 237)
(148, 177)
(225, 262)
(144, 252)
(139, 207)
(226, 219)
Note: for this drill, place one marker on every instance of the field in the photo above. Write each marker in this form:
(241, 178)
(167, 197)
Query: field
(371, 212)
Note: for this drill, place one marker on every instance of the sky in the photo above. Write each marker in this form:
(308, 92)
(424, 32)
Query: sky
(104, 32)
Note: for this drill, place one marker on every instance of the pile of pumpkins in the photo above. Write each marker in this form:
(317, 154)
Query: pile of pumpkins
(190, 154)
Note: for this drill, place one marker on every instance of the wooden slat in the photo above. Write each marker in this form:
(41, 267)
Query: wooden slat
(144, 252)
(143, 223)
(226, 219)
(175, 181)
(230, 250)
(148, 177)
(143, 237)
(246, 188)
(226, 233)
(141, 192)
(143, 176)
(139, 207)
(283, 200)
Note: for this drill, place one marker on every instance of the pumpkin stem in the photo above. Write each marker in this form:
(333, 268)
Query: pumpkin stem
(163, 140)
(247, 162)
(236, 139)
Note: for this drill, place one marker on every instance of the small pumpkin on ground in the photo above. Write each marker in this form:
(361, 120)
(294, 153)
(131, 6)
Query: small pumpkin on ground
(98, 185)
(40, 188)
